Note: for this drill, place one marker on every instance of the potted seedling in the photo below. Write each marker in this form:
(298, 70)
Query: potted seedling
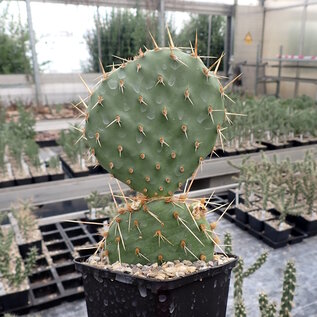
(36, 165)
(14, 289)
(307, 221)
(258, 217)
(25, 226)
(245, 193)
(73, 153)
(278, 230)
(150, 123)
(101, 210)
(54, 168)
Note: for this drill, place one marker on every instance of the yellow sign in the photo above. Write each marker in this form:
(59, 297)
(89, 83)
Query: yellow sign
(248, 38)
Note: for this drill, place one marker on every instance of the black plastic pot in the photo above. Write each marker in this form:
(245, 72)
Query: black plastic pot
(8, 183)
(56, 177)
(241, 215)
(40, 179)
(276, 235)
(123, 295)
(25, 248)
(255, 223)
(308, 226)
(14, 300)
(94, 228)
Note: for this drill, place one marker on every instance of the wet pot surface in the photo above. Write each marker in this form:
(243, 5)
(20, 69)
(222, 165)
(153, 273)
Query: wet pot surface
(117, 294)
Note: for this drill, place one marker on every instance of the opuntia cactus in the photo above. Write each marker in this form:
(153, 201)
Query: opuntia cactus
(150, 123)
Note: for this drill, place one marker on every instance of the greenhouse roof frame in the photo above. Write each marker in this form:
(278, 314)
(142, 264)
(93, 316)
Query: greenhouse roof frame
(198, 7)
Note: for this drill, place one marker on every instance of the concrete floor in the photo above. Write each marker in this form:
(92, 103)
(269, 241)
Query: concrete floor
(268, 278)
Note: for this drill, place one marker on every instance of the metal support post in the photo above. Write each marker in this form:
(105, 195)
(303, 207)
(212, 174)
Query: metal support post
(227, 45)
(162, 22)
(209, 39)
(278, 84)
(99, 39)
(36, 75)
(257, 64)
(301, 45)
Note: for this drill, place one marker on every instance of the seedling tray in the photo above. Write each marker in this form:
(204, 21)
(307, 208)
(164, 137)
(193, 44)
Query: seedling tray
(54, 278)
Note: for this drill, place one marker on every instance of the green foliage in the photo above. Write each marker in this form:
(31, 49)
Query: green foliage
(73, 148)
(11, 266)
(271, 119)
(23, 213)
(100, 205)
(122, 33)
(289, 285)
(239, 275)
(227, 241)
(54, 163)
(290, 186)
(269, 309)
(199, 23)
(14, 48)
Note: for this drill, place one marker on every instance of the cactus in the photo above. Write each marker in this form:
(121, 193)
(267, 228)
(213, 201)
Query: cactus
(240, 275)
(150, 123)
(268, 309)
(289, 284)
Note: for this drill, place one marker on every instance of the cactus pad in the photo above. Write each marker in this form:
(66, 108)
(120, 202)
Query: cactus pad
(151, 121)
(160, 231)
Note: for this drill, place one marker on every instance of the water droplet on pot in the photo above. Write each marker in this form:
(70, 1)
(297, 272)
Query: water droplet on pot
(172, 307)
(215, 283)
(105, 302)
(134, 303)
(142, 291)
(162, 298)
(97, 277)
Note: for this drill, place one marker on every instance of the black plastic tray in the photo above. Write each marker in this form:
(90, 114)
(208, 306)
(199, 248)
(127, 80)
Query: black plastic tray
(54, 279)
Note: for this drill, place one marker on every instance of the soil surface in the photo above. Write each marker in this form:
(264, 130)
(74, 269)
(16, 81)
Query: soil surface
(275, 224)
(260, 215)
(166, 271)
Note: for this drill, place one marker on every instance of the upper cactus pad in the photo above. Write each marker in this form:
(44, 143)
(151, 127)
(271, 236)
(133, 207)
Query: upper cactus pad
(153, 119)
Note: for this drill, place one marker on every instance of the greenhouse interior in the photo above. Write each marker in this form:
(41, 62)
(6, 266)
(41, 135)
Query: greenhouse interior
(210, 210)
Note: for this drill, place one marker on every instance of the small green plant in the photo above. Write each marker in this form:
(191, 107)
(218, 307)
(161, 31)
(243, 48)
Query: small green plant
(54, 163)
(284, 205)
(240, 274)
(100, 205)
(11, 266)
(269, 309)
(27, 223)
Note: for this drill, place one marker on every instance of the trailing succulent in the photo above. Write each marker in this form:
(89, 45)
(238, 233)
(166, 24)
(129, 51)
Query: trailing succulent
(150, 123)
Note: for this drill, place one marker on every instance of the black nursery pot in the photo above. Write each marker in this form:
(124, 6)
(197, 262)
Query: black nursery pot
(255, 223)
(94, 228)
(116, 294)
(242, 215)
(308, 226)
(276, 235)
(14, 300)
